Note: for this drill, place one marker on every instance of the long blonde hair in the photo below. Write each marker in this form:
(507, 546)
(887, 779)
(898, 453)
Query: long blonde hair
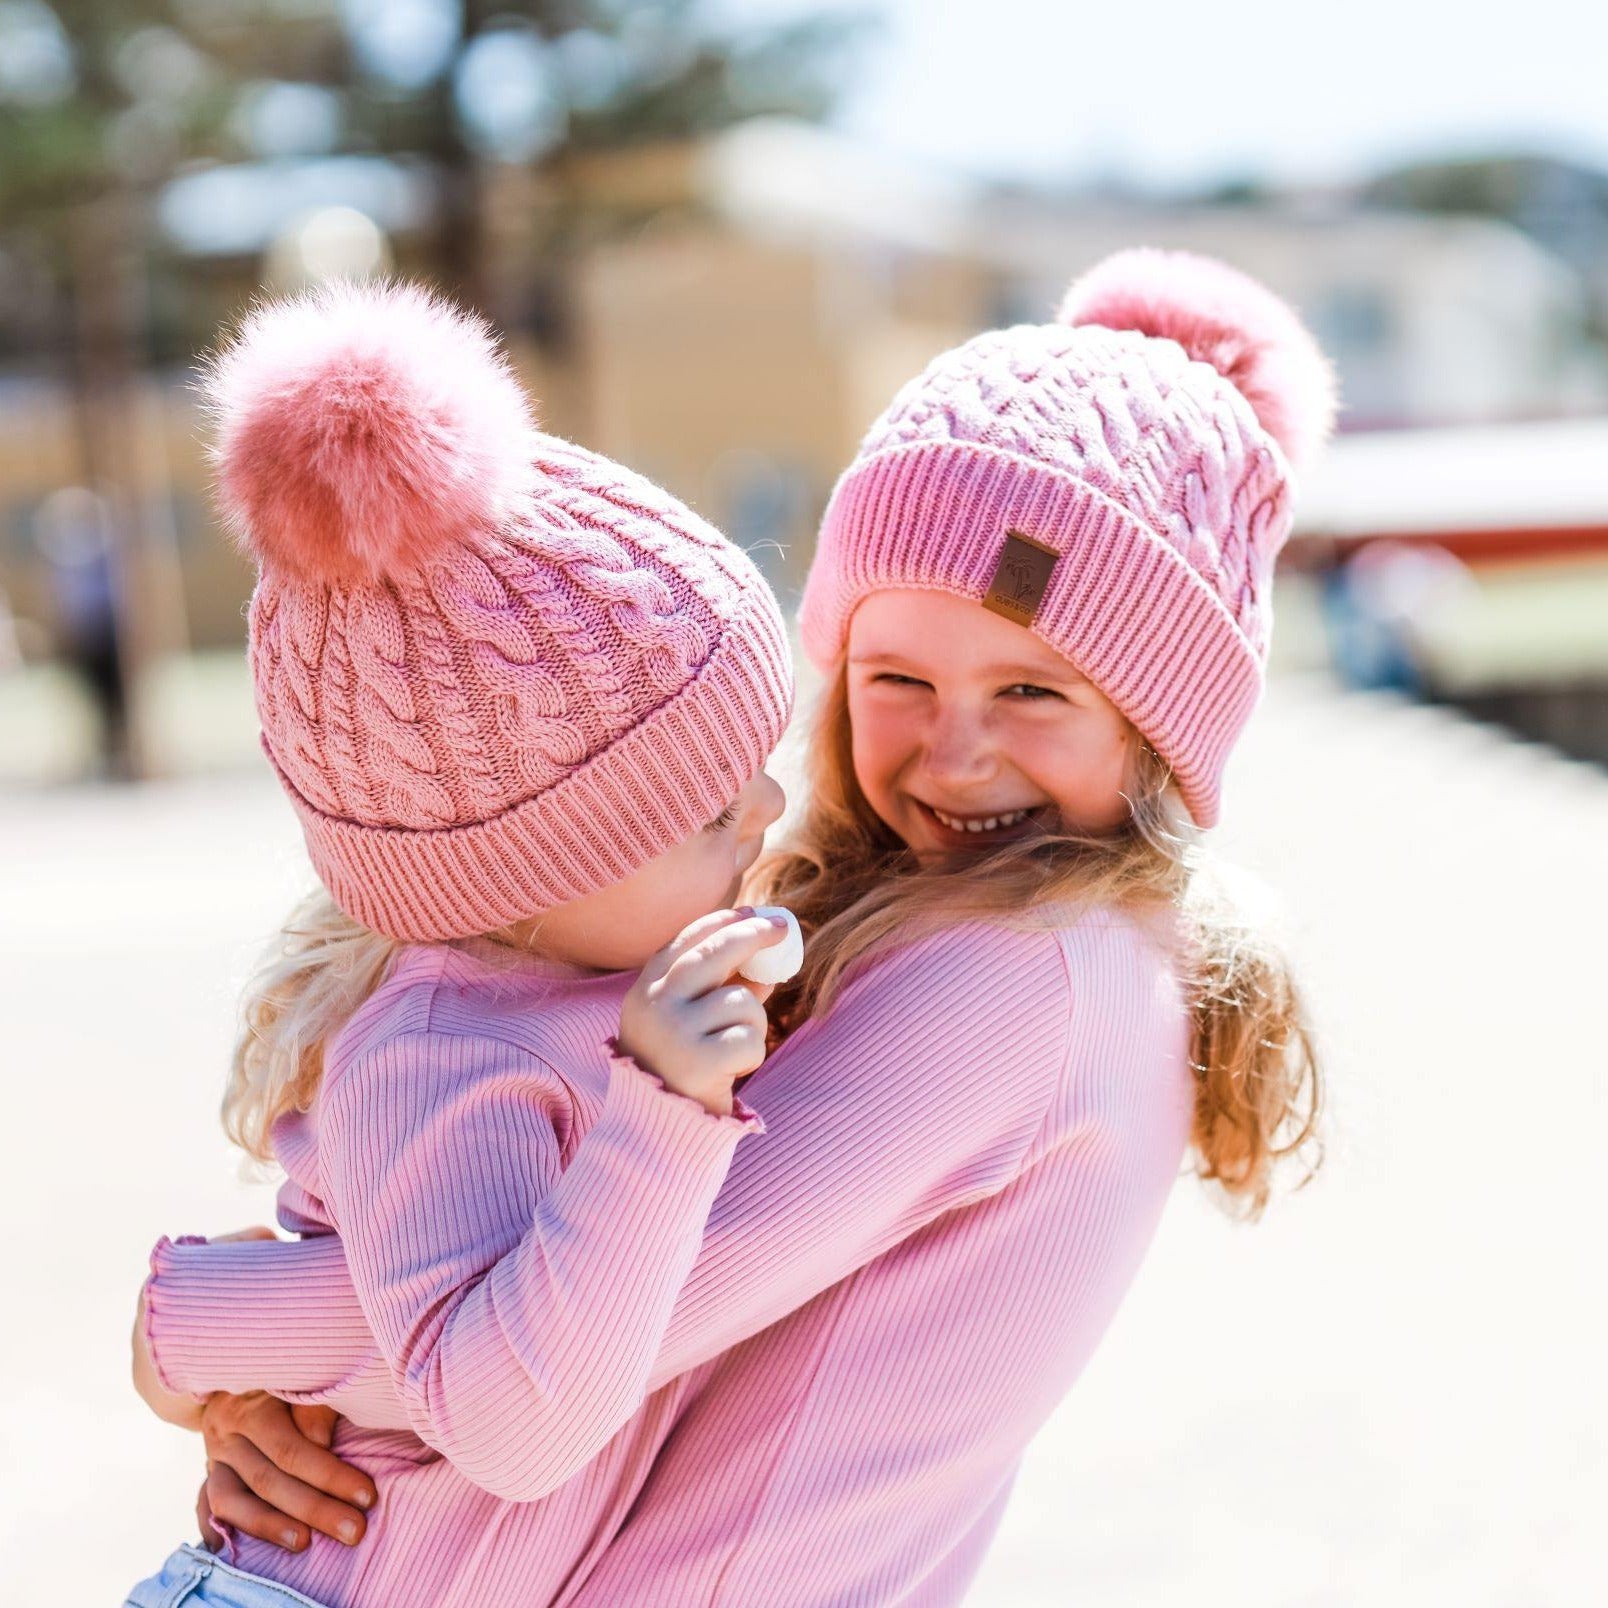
(309, 982)
(857, 890)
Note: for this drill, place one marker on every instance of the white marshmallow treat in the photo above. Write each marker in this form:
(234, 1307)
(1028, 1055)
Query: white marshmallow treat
(781, 961)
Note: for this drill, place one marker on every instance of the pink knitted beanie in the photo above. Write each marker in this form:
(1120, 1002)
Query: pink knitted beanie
(1118, 481)
(494, 670)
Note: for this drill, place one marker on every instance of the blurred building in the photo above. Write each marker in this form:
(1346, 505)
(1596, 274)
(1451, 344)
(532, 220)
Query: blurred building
(1429, 320)
(739, 348)
(1470, 567)
(739, 310)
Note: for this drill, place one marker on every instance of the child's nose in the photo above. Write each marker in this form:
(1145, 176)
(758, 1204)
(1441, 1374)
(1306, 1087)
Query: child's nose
(769, 801)
(958, 751)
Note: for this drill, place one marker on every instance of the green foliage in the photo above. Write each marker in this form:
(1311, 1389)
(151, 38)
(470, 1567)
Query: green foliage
(132, 93)
(140, 100)
(159, 84)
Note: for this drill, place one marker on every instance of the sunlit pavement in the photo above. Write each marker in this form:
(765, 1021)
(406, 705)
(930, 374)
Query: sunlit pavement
(1388, 1393)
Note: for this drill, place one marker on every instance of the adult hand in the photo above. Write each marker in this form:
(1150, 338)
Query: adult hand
(271, 1474)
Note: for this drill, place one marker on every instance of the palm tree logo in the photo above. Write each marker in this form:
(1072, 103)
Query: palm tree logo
(1021, 572)
(1020, 577)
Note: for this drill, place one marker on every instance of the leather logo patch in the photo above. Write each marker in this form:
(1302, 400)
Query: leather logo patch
(1020, 578)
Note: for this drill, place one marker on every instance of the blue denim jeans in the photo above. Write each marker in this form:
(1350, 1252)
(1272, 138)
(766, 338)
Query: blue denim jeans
(196, 1578)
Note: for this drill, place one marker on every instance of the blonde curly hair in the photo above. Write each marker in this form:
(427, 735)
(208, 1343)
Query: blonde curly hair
(857, 890)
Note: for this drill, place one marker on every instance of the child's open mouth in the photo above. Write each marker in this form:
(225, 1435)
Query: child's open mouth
(981, 828)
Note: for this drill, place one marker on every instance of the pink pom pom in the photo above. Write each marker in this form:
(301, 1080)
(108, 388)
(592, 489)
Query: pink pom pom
(362, 429)
(1222, 317)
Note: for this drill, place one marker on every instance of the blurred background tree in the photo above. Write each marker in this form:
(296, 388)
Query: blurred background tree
(112, 110)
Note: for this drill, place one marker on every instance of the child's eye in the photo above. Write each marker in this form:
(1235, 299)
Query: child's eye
(726, 817)
(1027, 690)
(898, 680)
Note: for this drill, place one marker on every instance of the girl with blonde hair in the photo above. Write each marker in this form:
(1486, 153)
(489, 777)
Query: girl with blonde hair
(1041, 606)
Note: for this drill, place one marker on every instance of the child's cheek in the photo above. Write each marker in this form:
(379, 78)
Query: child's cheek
(880, 734)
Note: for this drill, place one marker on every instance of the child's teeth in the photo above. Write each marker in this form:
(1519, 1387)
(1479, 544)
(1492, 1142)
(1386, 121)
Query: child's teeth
(988, 823)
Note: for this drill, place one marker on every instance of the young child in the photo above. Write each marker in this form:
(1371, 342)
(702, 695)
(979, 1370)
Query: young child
(521, 700)
(1041, 602)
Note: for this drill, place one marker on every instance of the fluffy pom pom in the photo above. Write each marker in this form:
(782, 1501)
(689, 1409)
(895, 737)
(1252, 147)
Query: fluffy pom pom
(1221, 317)
(361, 429)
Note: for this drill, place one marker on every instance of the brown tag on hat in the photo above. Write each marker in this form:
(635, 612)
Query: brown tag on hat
(1020, 578)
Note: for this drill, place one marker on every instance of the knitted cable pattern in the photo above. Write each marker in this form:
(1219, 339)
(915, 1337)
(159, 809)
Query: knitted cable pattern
(635, 509)
(343, 741)
(637, 513)
(287, 633)
(527, 653)
(512, 682)
(478, 774)
(1136, 419)
(398, 754)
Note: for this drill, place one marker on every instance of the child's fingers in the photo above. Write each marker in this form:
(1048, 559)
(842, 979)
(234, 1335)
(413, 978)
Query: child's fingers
(230, 1502)
(689, 935)
(290, 1496)
(732, 1028)
(731, 1005)
(715, 959)
(741, 1049)
(295, 1439)
(744, 1035)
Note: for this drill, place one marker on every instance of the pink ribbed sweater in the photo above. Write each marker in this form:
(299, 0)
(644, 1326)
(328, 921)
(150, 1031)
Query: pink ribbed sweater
(961, 1167)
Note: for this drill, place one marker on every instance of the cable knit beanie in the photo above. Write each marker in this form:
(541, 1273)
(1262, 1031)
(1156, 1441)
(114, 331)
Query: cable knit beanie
(1118, 481)
(494, 670)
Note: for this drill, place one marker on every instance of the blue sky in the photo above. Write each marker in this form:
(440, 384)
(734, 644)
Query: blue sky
(1167, 93)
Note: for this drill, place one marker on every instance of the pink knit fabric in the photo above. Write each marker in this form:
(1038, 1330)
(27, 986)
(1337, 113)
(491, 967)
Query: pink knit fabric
(494, 671)
(535, 1280)
(1162, 483)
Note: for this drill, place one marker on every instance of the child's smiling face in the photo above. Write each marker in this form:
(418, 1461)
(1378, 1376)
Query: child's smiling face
(961, 718)
(620, 926)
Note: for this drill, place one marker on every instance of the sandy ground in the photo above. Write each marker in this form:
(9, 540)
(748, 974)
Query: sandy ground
(1388, 1393)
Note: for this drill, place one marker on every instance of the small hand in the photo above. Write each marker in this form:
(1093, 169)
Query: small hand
(690, 1019)
(271, 1474)
(257, 1231)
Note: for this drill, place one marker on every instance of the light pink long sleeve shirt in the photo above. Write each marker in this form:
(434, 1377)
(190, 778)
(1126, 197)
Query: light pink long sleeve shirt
(963, 1164)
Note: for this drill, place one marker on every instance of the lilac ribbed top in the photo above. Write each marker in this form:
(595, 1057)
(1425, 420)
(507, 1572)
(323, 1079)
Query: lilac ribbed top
(579, 1374)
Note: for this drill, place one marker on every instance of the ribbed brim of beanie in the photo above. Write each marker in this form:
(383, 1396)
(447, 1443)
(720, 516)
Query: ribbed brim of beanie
(1121, 604)
(657, 784)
